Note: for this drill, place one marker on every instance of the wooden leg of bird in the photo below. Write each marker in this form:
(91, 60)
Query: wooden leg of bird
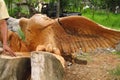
(48, 48)
(40, 48)
(56, 51)
(51, 48)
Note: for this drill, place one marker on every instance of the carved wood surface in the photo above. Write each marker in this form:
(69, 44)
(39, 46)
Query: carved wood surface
(14, 68)
(46, 66)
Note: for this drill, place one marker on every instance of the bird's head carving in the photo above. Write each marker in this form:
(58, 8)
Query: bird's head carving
(37, 21)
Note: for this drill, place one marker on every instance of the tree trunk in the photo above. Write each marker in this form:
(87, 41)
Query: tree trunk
(58, 9)
(45, 66)
(14, 68)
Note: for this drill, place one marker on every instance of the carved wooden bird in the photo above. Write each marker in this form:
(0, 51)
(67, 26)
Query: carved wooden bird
(67, 35)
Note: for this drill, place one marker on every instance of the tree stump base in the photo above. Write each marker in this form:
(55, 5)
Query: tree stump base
(38, 66)
(14, 68)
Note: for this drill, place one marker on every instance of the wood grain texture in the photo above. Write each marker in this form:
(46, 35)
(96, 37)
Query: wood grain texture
(46, 66)
(83, 33)
(14, 68)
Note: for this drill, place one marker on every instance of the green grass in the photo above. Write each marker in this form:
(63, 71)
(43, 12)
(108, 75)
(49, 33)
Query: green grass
(110, 20)
(115, 71)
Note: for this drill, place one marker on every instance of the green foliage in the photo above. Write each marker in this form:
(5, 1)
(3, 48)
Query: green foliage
(112, 4)
(111, 21)
(86, 11)
(68, 5)
(71, 5)
(21, 34)
(101, 15)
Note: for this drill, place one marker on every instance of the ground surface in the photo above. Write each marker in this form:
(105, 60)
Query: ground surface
(99, 67)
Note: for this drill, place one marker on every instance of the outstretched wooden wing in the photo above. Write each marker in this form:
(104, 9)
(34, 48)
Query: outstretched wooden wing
(77, 32)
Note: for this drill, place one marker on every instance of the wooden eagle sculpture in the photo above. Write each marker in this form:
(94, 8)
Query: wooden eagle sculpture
(64, 36)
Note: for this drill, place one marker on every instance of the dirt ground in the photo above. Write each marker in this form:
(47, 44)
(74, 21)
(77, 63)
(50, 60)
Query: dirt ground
(99, 67)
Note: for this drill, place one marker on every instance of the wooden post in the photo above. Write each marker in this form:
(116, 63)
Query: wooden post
(46, 66)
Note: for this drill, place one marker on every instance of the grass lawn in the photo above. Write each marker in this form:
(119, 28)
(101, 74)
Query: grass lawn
(111, 20)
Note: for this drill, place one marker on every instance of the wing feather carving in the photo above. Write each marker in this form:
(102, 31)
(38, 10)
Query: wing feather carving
(77, 32)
